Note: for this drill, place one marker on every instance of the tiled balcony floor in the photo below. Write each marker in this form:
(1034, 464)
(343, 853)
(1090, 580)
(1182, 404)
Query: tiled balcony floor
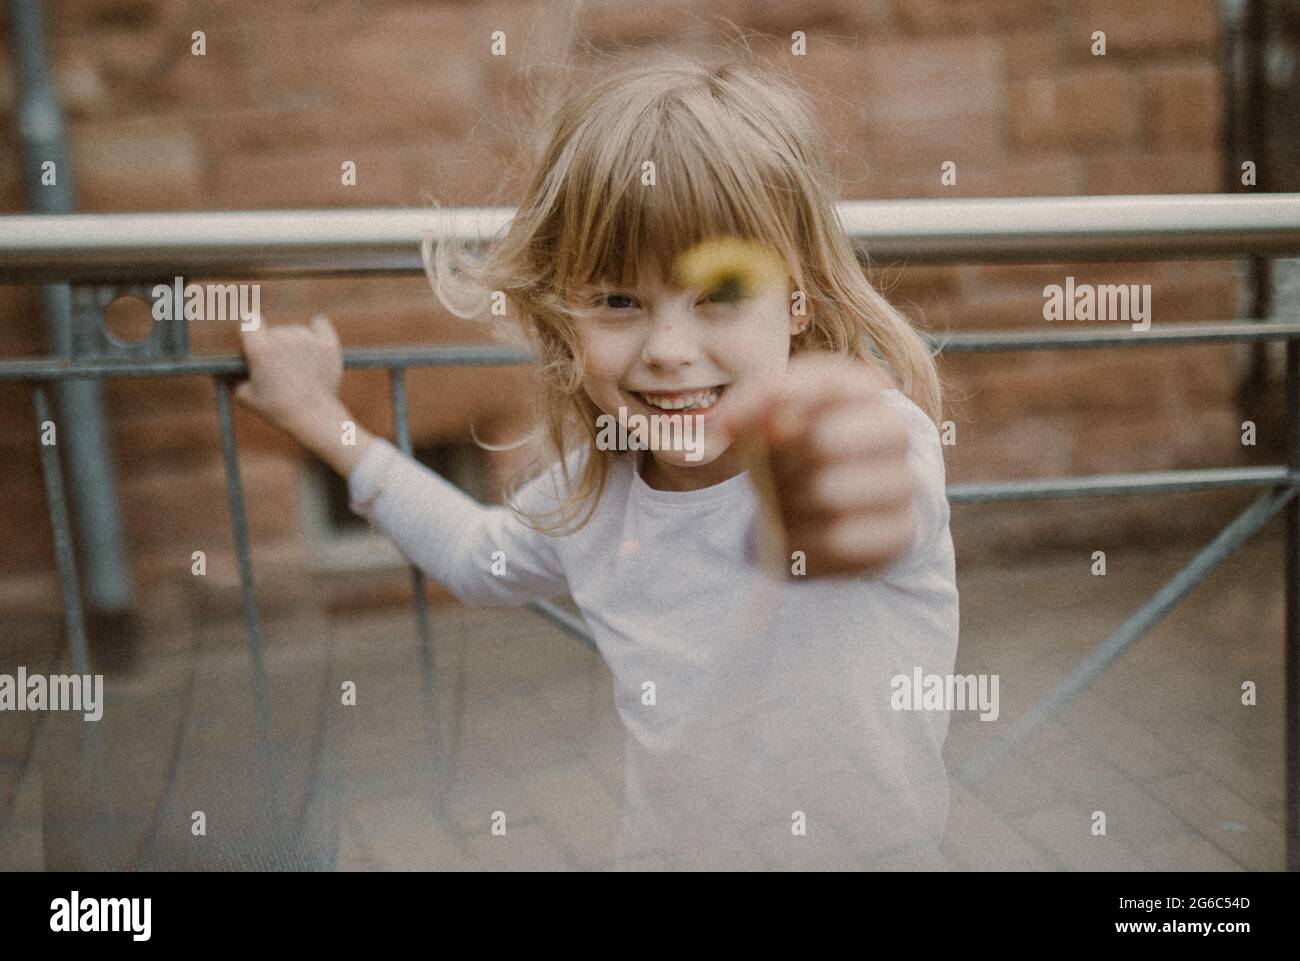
(523, 719)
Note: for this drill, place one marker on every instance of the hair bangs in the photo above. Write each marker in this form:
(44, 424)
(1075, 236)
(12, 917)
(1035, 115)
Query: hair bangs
(668, 185)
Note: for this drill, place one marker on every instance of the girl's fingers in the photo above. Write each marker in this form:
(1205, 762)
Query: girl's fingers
(852, 487)
(862, 430)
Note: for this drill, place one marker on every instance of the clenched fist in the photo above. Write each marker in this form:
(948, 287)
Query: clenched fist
(831, 463)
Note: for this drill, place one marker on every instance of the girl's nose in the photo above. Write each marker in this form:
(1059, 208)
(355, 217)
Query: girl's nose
(671, 339)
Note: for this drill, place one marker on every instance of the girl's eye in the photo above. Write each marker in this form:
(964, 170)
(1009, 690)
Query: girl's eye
(727, 289)
(616, 301)
(721, 296)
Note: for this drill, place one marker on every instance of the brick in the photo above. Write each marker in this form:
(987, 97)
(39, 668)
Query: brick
(456, 172)
(8, 84)
(83, 88)
(1136, 26)
(610, 26)
(1210, 296)
(1154, 172)
(109, 15)
(968, 16)
(131, 396)
(981, 279)
(411, 69)
(918, 80)
(1103, 383)
(187, 511)
(1080, 111)
(312, 178)
(1032, 53)
(13, 191)
(126, 165)
(901, 149)
(25, 525)
(901, 283)
(994, 311)
(1205, 376)
(1135, 442)
(817, 18)
(165, 440)
(300, 82)
(835, 80)
(243, 129)
(1033, 446)
(22, 329)
(1038, 177)
(27, 591)
(536, 40)
(1183, 107)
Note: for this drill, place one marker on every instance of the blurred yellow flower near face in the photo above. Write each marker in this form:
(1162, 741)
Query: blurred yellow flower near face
(729, 268)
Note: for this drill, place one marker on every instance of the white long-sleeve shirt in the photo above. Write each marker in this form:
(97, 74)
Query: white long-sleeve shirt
(760, 731)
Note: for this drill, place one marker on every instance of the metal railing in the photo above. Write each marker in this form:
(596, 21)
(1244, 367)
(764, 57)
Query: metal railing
(109, 254)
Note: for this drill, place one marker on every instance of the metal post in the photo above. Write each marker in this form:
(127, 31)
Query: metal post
(428, 675)
(239, 528)
(94, 514)
(69, 584)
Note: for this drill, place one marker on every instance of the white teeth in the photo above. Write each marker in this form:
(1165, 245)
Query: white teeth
(702, 398)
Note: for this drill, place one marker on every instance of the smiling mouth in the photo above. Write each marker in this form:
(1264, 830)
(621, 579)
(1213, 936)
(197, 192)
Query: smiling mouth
(682, 401)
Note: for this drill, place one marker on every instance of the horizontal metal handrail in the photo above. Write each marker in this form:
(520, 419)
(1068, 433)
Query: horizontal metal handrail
(120, 246)
(54, 368)
(231, 365)
(1062, 336)
(1115, 485)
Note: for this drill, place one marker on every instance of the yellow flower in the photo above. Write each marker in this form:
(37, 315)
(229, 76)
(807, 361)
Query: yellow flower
(729, 268)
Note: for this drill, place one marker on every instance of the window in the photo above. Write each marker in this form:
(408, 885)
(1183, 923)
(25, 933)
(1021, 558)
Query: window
(339, 540)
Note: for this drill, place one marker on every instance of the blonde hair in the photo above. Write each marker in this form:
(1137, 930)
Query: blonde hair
(736, 153)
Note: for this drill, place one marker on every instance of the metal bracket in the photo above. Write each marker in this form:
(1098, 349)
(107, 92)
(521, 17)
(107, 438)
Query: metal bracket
(91, 337)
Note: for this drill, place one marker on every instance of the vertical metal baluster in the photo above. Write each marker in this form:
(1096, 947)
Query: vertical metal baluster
(402, 434)
(69, 583)
(239, 527)
(1293, 609)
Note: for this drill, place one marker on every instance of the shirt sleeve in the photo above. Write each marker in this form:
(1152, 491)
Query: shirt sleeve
(482, 554)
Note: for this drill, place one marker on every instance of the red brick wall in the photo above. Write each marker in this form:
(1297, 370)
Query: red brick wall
(1007, 89)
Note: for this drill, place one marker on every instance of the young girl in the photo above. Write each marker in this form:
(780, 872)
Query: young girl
(757, 703)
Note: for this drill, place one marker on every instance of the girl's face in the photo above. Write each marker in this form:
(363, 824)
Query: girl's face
(650, 342)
